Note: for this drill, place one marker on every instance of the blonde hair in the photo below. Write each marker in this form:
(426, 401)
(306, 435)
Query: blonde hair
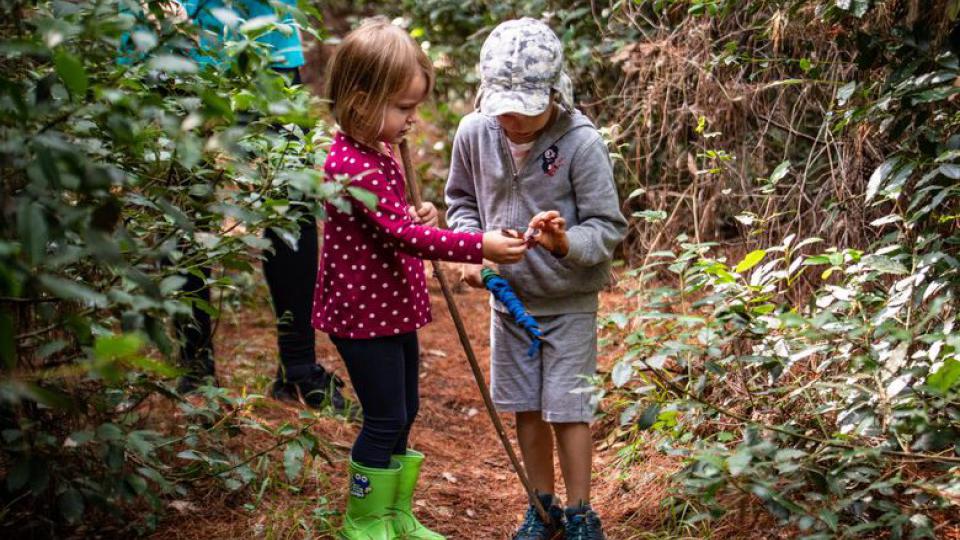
(373, 62)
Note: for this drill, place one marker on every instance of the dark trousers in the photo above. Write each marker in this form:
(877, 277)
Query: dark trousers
(385, 373)
(291, 277)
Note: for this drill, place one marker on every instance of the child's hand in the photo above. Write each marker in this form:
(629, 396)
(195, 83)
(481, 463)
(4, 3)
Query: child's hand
(553, 232)
(470, 274)
(503, 249)
(426, 215)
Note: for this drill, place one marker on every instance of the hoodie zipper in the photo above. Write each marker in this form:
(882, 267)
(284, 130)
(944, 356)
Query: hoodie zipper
(515, 177)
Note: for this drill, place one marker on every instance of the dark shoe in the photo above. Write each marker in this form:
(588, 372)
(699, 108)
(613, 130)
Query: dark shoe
(197, 372)
(315, 387)
(583, 524)
(533, 528)
(187, 384)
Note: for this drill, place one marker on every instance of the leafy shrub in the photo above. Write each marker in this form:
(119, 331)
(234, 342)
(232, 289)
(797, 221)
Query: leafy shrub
(838, 413)
(120, 178)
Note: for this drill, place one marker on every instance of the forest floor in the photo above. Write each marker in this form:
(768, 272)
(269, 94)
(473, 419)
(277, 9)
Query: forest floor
(468, 489)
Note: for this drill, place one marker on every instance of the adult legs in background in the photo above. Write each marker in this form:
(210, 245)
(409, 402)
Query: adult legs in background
(196, 337)
(291, 276)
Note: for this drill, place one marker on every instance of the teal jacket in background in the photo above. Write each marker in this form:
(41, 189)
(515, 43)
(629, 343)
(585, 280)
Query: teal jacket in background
(287, 48)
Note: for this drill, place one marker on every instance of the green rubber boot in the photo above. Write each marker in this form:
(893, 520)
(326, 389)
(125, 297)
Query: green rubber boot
(372, 492)
(405, 524)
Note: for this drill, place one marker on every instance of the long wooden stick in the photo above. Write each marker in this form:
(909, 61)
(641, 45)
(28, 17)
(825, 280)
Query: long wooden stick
(413, 186)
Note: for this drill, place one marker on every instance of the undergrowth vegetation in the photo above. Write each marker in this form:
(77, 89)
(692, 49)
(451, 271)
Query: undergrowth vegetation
(789, 325)
(127, 165)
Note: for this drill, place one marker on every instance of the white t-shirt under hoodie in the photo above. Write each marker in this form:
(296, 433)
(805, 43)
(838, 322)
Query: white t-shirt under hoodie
(519, 151)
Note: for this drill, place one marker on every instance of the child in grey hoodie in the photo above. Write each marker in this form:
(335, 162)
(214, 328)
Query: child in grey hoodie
(528, 160)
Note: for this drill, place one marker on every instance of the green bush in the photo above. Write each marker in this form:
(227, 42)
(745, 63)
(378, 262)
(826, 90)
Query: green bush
(839, 412)
(118, 179)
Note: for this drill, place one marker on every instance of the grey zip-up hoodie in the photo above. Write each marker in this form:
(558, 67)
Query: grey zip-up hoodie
(568, 169)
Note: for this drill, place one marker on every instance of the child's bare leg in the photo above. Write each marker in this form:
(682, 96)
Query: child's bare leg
(574, 448)
(536, 448)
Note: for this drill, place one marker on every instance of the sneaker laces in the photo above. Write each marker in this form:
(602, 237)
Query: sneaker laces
(532, 524)
(585, 526)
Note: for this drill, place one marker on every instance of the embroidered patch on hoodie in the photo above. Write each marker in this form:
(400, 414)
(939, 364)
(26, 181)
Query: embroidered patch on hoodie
(550, 160)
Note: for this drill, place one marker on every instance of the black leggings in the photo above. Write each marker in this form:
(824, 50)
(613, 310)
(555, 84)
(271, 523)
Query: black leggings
(385, 376)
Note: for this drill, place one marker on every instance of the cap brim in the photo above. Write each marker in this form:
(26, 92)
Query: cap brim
(495, 103)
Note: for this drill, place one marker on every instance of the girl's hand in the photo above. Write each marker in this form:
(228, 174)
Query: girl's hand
(553, 232)
(503, 249)
(470, 274)
(426, 215)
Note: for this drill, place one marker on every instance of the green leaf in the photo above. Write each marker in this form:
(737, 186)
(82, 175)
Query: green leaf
(750, 260)
(190, 455)
(81, 437)
(258, 26)
(70, 69)
(651, 216)
(618, 319)
(293, 460)
(109, 432)
(621, 373)
(788, 454)
(171, 63)
(885, 265)
(176, 214)
(72, 290)
(782, 169)
(135, 483)
(829, 518)
(70, 503)
(649, 416)
(739, 461)
(950, 170)
(171, 284)
(946, 377)
(844, 93)
(367, 198)
(32, 229)
(18, 475)
(117, 346)
(879, 175)
(149, 365)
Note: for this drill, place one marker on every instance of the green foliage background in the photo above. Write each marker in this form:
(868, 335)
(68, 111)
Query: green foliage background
(122, 173)
(791, 169)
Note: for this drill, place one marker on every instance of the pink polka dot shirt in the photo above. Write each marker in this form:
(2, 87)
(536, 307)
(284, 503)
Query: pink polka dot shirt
(371, 281)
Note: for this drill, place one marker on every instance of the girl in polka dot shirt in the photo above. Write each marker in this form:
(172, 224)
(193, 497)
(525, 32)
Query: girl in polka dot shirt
(371, 294)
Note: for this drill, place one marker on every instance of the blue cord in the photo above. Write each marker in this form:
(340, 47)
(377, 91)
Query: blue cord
(503, 292)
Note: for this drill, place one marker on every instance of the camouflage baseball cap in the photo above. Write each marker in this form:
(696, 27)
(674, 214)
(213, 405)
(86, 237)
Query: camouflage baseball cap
(521, 62)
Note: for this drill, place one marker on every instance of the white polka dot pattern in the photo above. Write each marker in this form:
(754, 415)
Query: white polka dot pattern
(386, 241)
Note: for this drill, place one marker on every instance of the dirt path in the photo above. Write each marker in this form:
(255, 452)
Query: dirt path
(468, 490)
(487, 500)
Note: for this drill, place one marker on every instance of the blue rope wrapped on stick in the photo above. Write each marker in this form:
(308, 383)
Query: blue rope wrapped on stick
(503, 292)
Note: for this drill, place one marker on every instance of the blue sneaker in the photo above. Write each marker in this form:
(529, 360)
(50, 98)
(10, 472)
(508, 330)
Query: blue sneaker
(583, 524)
(533, 528)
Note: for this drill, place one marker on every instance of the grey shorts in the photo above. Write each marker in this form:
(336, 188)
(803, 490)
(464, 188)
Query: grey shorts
(547, 381)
